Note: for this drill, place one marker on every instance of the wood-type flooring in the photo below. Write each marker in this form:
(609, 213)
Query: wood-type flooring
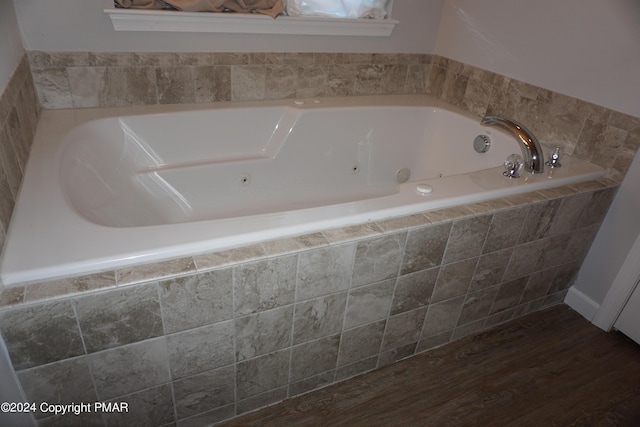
(550, 368)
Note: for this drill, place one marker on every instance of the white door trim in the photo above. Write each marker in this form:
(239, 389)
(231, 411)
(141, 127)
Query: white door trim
(620, 291)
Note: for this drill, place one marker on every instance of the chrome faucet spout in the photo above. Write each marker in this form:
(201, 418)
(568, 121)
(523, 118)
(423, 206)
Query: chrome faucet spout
(531, 149)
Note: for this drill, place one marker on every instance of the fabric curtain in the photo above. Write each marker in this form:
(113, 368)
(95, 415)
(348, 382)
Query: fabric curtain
(374, 9)
(267, 7)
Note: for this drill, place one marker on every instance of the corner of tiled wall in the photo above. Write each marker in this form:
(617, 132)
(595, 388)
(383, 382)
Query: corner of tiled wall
(588, 131)
(19, 110)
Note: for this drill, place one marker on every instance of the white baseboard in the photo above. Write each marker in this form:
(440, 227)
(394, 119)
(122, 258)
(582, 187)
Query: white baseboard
(581, 303)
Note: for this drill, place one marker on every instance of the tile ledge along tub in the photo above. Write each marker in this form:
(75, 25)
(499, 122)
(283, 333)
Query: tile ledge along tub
(116, 187)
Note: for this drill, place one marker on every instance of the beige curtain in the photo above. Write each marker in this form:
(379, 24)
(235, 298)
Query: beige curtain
(268, 7)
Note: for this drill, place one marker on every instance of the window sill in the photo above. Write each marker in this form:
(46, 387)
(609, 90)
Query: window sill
(203, 22)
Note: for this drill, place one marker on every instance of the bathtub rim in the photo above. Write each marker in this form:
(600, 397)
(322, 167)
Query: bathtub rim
(60, 120)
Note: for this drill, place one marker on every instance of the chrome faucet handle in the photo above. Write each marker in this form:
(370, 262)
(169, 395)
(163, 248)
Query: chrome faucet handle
(513, 166)
(554, 161)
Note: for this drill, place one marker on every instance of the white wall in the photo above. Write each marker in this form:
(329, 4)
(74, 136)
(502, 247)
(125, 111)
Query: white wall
(616, 237)
(10, 42)
(81, 25)
(588, 49)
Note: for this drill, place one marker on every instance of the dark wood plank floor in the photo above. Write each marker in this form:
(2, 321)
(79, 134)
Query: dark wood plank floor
(551, 368)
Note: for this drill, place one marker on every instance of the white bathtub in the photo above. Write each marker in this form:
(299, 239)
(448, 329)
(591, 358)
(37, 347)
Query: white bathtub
(107, 188)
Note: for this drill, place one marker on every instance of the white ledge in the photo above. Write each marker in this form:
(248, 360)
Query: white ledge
(206, 22)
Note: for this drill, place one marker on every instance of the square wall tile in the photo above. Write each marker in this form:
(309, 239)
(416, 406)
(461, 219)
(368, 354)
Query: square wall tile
(314, 357)
(198, 300)
(361, 343)
(490, 269)
(265, 284)
(130, 368)
(467, 238)
(319, 317)
(324, 271)
(414, 290)
(569, 213)
(505, 229)
(425, 248)
(201, 349)
(41, 333)
(454, 279)
(442, 316)
(369, 303)
(539, 220)
(263, 332)
(153, 406)
(509, 295)
(204, 392)
(67, 381)
(263, 373)
(404, 329)
(378, 259)
(477, 305)
(119, 317)
(524, 259)
(538, 284)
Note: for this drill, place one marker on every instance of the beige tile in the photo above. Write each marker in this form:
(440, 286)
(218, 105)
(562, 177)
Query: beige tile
(112, 59)
(378, 259)
(298, 58)
(489, 206)
(131, 86)
(588, 186)
(554, 193)
(311, 81)
(70, 286)
(393, 78)
(88, 86)
(267, 57)
(38, 334)
(294, 244)
(345, 234)
(194, 58)
(212, 84)
(53, 87)
(280, 81)
(158, 270)
(402, 222)
(448, 214)
(525, 198)
(417, 78)
(368, 79)
(231, 58)
(11, 296)
(175, 85)
(198, 300)
(248, 82)
(213, 260)
(161, 59)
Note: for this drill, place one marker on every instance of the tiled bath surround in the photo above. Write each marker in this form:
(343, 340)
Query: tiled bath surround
(85, 79)
(202, 339)
(18, 118)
